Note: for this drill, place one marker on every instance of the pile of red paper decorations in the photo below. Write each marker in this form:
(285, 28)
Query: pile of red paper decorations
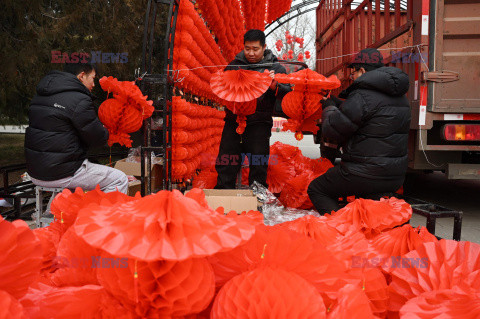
(168, 255)
(197, 131)
(125, 112)
(302, 105)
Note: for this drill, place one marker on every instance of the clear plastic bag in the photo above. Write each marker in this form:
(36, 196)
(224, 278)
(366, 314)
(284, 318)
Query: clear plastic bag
(272, 209)
(134, 157)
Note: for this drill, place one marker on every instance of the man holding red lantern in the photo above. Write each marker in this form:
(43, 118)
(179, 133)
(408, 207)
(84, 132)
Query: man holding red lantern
(255, 141)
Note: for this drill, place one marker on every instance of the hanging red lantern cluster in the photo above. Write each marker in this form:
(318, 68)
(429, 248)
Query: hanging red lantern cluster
(277, 8)
(225, 19)
(197, 129)
(125, 112)
(299, 40)
(194, 51)
(254, 14)
(279, 45)
(307, 55)
(302, 105)
(238, 90)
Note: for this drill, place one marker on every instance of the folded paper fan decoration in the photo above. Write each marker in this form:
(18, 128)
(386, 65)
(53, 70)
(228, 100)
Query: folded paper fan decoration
(66, 205)
(313, 227)
(399, 241)
(448, 303)
(10, 308)
(124, 113)
(20, 258)
(240, 89)
(240, 85)
(165, 225)
(371, 217)
(46, 302)
(164, 288)
(268, 293)
(439, 265)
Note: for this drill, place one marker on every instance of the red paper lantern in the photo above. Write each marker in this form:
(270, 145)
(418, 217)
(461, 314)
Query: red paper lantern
(434, 266)
(10, 307)
(45, 302)
(268, 293)
(125, 113)
(20, 259)
(165, 225)
(161, 288)
(75, 262)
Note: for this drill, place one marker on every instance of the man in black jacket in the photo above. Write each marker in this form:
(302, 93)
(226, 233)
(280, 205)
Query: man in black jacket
(371, 126)
(254, 143)
(63, 125)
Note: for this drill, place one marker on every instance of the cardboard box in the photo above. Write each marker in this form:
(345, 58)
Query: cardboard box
(231, 199)
(134, 169)
(134, 187)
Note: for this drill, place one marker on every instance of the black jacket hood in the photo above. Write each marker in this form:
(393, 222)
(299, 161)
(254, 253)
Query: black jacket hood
(58, 82)
(389, 80)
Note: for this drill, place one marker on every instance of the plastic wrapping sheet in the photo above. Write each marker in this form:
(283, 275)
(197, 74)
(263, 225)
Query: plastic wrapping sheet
(134, 156)
(273, 210)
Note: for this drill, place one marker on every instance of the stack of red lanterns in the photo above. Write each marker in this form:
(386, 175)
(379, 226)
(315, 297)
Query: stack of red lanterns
(277, 8)
(195, 49)
(197, 130)
(254, 14)
(224, 18)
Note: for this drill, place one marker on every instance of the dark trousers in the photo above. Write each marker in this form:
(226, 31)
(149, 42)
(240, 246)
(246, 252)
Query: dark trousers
(325, 190)
(254, 143)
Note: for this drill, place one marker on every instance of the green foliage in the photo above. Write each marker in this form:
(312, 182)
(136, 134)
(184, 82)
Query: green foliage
(32, 29)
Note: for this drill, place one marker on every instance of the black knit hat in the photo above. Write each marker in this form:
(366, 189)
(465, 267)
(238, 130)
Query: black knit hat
(369, 59)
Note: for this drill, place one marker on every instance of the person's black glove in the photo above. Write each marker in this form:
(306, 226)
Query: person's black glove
(328, 102)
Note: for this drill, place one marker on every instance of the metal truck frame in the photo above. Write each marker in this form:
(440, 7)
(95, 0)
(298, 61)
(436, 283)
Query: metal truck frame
(437, 43)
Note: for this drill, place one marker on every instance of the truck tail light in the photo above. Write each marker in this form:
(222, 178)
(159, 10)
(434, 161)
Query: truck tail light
(461, 132)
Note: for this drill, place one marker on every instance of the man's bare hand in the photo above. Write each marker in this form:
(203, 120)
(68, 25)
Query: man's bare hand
(274, 83)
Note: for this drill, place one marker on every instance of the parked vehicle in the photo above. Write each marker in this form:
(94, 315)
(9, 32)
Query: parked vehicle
(437, 43)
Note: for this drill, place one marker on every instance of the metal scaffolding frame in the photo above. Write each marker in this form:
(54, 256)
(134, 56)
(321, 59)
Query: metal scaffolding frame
(159, 88)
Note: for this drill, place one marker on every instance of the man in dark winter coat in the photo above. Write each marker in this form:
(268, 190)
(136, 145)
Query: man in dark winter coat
(63, 125)
(254, 143)
(371, 126)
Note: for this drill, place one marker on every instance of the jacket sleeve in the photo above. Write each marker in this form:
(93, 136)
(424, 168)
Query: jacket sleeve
(90, 129)
(340, 123)
(282, 88)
